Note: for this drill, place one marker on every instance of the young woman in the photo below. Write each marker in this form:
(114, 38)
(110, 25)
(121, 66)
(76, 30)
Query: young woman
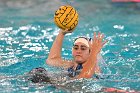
(84, 53)
(83, 65)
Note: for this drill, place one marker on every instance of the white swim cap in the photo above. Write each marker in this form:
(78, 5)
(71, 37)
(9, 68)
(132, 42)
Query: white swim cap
(82, 40)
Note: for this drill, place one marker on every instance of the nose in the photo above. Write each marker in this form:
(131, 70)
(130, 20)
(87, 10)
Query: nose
(78, 51)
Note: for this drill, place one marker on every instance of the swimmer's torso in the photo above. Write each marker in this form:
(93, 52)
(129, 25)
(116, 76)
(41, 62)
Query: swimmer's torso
(72, 72)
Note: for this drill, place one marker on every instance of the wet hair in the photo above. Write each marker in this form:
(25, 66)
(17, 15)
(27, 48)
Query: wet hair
(39, 75)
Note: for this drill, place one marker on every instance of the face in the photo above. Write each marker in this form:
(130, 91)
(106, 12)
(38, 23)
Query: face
(80, 52)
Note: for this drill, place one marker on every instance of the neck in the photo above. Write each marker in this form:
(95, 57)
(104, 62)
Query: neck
(78, 63)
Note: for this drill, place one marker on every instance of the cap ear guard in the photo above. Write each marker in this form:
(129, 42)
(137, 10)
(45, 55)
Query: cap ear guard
(90, 40)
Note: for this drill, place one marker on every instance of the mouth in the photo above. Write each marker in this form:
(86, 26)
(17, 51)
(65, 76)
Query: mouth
(78, 56)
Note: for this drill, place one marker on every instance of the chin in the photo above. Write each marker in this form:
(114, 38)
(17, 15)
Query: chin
(79, 61)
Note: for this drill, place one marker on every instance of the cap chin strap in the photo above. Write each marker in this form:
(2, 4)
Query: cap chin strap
(82, 40)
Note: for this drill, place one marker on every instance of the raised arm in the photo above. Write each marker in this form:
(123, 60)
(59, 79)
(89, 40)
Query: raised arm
(54, 57)
(89, 66)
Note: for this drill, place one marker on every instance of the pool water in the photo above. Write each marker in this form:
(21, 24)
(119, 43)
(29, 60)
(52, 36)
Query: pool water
(27, 31)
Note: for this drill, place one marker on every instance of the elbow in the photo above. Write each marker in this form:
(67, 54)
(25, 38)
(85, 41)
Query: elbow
(50, 62)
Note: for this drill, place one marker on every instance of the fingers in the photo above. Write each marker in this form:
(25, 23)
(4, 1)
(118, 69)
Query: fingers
(99, 34)
(99, 39)
(94, 36)
(66, 31)
(104, 42)
(97, 42)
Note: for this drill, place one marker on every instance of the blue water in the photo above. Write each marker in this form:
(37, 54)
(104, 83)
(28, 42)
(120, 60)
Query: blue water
(27, 32)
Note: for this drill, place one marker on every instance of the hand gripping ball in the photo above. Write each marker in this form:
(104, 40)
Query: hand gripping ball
(66, 17)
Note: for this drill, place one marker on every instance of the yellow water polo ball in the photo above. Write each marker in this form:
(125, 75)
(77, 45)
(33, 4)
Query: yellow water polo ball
(66, 17)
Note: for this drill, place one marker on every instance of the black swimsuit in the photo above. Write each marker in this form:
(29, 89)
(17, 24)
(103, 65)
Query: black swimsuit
(72, 72)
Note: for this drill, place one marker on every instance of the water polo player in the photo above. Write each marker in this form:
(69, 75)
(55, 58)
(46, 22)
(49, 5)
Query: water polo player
(85, 52)
(83, 65)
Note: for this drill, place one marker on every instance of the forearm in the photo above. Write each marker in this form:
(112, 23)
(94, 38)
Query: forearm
(54, 57)
(55, 51)
(89, 67)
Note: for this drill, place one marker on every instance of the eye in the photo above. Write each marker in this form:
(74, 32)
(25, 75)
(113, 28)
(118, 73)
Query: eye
(75, 48)
(83, 48)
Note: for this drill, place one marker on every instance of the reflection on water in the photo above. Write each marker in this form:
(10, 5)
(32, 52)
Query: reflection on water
(27, 31)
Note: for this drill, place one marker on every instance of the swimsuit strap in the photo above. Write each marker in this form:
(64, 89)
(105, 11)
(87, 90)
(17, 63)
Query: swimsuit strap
(72, 72)
(79, 67)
